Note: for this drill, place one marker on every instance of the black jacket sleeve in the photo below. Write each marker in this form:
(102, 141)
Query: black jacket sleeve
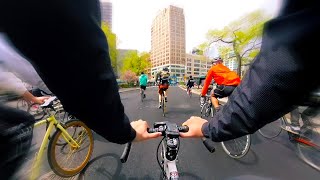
(64, 41)
(280, 76)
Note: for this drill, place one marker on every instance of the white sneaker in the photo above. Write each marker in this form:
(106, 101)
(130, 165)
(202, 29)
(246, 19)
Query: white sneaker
(293, 129)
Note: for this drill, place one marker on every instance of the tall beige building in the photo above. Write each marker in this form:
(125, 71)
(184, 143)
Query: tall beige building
(197, 65)
(168, 42)
(106, 12)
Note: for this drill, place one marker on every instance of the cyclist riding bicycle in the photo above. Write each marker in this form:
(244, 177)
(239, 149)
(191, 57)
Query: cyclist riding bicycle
(190, 83)
(225, 79)
(162, 79)
(143, 80)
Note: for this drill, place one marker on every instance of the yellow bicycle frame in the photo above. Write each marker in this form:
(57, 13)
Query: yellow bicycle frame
(52, 122)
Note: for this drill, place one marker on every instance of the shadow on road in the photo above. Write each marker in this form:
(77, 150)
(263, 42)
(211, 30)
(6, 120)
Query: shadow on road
(249, 159)
(103, 167)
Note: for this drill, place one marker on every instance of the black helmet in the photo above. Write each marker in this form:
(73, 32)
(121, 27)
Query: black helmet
(217, 60)
(190, 77)
(165, 69)
(142, 72)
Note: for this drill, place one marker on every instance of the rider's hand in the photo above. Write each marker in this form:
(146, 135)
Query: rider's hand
(195, 126)
(141, 131)
(40, 100)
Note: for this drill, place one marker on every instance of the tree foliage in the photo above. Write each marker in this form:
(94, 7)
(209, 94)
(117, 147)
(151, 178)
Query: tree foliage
(129, 76)
(112, 42)
(136, 62)
(242, 36)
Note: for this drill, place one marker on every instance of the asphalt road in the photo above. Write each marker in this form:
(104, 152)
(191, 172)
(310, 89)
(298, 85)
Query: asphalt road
(267, 159)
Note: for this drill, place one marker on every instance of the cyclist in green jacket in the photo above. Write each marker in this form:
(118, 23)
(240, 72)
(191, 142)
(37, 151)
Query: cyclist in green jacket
(143, 80)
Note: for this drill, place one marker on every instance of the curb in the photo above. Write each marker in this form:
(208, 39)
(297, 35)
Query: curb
(127, 90)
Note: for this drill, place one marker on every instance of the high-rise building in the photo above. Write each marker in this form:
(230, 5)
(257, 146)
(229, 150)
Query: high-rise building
(231, 61)
(168, 44)
(197, 65)
(106, 12)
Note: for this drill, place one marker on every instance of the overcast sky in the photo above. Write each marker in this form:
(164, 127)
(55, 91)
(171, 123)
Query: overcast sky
(132, 19)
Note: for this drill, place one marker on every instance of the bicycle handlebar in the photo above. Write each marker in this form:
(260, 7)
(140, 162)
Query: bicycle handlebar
(167, 129)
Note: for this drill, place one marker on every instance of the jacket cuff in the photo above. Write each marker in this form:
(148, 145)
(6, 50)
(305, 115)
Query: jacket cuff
(132, 134)
(205, 130)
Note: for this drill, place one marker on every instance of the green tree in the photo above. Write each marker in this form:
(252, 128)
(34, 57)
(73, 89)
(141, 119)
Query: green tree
(242, 36)
(136, 62)
(112, 42)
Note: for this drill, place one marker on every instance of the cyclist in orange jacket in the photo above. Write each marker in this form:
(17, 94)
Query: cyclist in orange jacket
(225, 79)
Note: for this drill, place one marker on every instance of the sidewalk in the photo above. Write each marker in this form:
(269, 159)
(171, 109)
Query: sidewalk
(198, 91)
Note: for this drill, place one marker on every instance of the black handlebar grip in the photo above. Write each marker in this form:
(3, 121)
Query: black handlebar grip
(125, 153)
(208, 145)
(183, 129)
(152, 130)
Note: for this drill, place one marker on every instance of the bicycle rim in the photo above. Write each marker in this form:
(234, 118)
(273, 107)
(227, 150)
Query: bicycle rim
(308, 146)
(67, 161)
(22, 105)
(36, 111)
(205, 110)
(160, 153)
(237, 148)
(163, 104)
(142, 94)
(273, 129)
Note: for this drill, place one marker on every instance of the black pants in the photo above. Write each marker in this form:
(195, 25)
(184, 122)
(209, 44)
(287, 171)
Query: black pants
(222, 91)
(16, 131)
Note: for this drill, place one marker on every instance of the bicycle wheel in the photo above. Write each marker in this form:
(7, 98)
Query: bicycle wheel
(205, 110)
(22, 105)
(308, 146)
(160, 159)
(190, 93)
(36, 111)
(142, 95)
(237, 148)
(272, 129)
(163, 104)
(67, 161)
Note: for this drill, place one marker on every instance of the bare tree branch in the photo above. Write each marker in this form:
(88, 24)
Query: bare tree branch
(220, 39)
(250, 49)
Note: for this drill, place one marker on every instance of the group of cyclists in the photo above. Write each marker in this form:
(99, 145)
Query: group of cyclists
(225, 79)
(279, 79)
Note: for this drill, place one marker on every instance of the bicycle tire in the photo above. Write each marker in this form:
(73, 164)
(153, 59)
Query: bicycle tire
(205, 110)
(163, 103)
(308, 146)
(36, 111)
(142, 95)
(62, 142)
(273, 129)
(239, 151)
(161, 160)
(22, 105)
(55, 164)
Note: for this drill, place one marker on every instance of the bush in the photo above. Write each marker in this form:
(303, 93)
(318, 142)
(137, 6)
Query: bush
(124, 85)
